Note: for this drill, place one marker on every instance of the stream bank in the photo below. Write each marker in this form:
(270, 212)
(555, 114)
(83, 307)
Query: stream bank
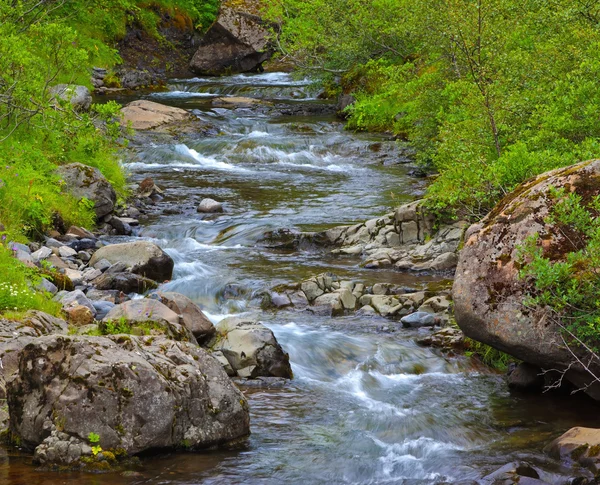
(365, 405)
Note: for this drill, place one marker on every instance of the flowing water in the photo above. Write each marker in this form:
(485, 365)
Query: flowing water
(367, 405)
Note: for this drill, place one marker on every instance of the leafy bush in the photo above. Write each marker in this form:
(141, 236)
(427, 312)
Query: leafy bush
(489, 93)
(569, 287)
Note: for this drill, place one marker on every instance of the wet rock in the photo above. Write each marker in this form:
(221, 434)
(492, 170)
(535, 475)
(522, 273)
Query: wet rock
(408, 239)
(578, 445)
(237, 102)
(190, 314)
(251, 348)
(121, 227)
(328, 304)
(514, 473)
(148, 115)
(419, 319)
(150, 313)
(79, 96)
(111, 386)
(446, 338)
(141, 257)
(237, 42)
(147, 188)
(87, 182)
(125, 282)
(488, 293)
(526, 377)
(210, 206)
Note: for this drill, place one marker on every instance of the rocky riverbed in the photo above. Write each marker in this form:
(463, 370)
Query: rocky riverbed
(278, 276)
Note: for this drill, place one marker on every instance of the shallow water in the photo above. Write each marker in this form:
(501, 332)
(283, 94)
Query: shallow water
(366, 406)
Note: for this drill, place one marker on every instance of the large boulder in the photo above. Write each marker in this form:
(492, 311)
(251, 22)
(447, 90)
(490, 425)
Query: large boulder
(14, 336)
(136, 394)
(148, 115)
(80, 97)
(190, 314)
(141, 257)
(251, 348)
(237, 42)
(87, 182)
(488, 292)
(151, 316)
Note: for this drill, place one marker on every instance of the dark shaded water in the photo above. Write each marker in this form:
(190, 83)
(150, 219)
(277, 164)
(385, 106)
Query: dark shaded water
(365, 407)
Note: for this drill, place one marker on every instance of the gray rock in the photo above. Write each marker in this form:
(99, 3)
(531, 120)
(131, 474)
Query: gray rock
(111, 386)
(190, 314)
(66, 252)
(419, 319)
(210, 206)
(102, 264)
(124, 282)
(141, 257)
(150, 311)
(75, 298)
(15, 246)
(45, 285)
(84, 181)
(251, 348)
(79, 96)
(43, 253)
(102, 308)
(14, 336)
(83, 256)
(121, 227)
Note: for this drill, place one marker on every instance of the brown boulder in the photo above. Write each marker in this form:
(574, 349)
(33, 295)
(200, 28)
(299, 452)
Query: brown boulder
(237, 42)
(578, 445)
(148, 115)
(488, 293)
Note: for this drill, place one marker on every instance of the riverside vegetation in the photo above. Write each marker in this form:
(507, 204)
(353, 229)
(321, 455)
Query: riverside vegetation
(43, 44)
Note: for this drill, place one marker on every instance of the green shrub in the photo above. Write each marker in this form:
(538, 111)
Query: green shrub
(568, 287)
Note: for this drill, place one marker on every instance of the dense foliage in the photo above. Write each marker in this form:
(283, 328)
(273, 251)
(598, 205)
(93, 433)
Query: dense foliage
(569, 287)
(44, 43)
(489, 92)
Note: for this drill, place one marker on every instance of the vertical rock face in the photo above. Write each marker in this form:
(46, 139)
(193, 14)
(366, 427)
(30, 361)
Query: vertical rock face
(237, 42)
(136, 394)
(488, 293)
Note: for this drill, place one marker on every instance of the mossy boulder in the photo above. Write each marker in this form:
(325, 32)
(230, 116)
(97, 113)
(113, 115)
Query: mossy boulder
(578, 445)
(488, 293)
(135, 394)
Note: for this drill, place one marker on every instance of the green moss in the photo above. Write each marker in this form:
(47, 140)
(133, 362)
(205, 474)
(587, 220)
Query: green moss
(579, 452)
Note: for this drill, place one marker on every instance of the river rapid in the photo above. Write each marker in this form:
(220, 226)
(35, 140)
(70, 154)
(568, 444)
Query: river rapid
(367, 405)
